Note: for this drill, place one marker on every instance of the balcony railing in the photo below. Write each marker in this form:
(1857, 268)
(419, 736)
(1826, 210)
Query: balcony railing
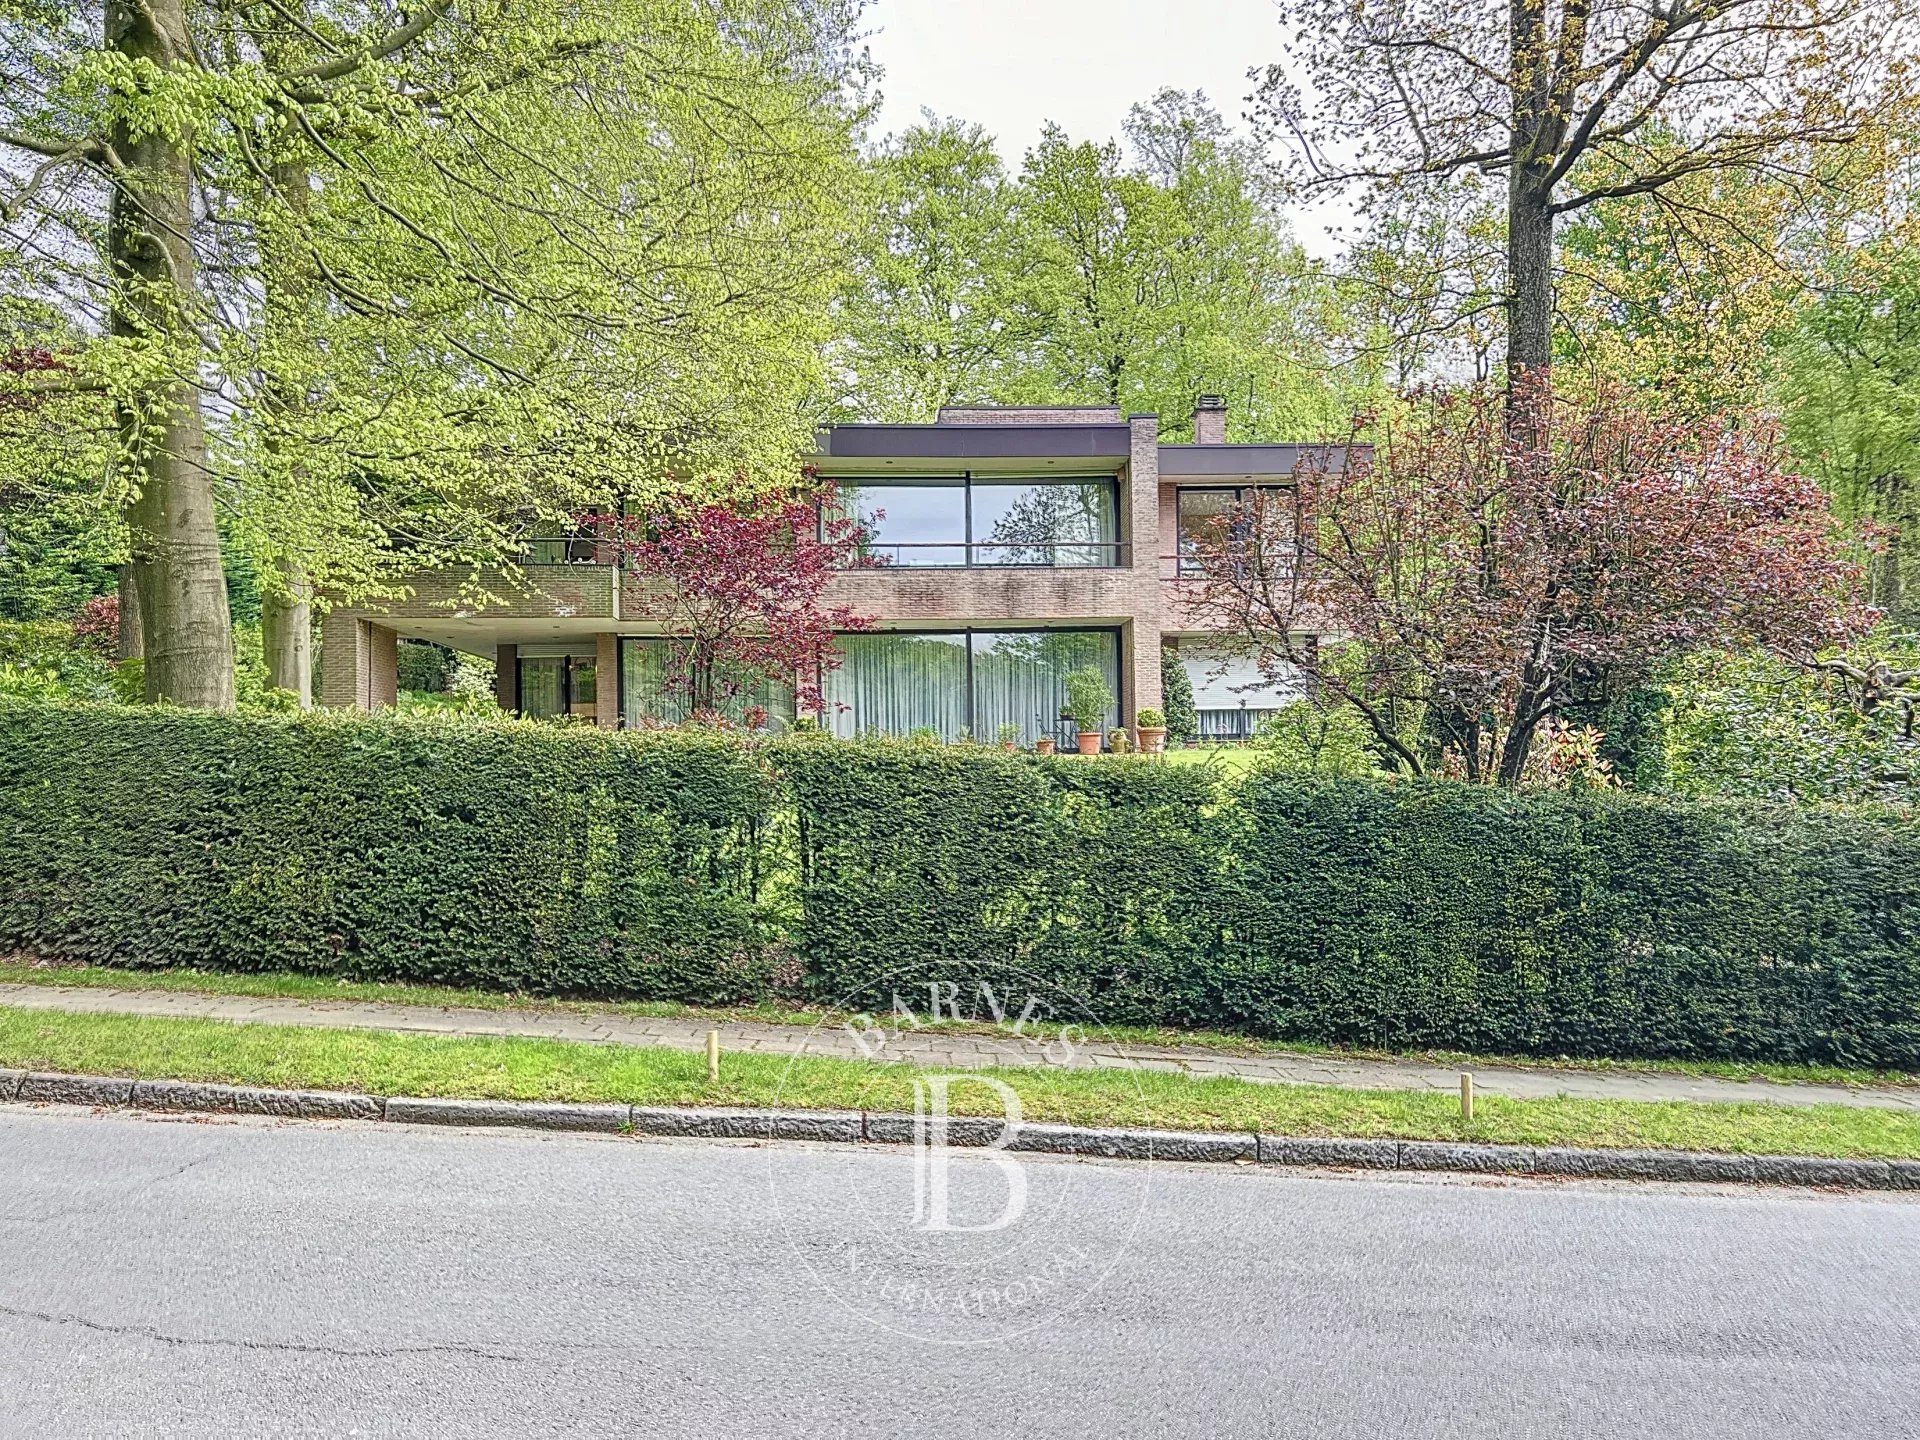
(1189, 567)
(996, 555)
(566, 550)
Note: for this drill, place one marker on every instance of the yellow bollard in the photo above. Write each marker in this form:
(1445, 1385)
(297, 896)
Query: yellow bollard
(713, 1056)
(1466, 1096)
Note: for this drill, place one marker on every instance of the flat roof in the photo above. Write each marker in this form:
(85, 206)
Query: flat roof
(1076, 440)
(1222, 461)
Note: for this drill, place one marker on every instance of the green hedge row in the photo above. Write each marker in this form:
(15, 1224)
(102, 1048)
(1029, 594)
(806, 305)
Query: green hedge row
(684, 866)
(520, 856)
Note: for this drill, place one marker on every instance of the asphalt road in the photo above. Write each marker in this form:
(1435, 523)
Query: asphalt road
(209, 1278)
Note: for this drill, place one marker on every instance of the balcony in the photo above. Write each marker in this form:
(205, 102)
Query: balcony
(996, 555)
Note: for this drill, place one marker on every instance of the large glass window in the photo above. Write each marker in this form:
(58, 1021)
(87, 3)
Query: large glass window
(918, 524)
(650, 693)
(1203, 514)
(1026, 523)
(553, 683)
(896, 684)
(1020, 679)
(947, 682)
(971, 520)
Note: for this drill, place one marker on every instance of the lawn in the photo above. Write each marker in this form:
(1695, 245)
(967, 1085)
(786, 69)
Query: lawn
(384, 1063)
(21, 971)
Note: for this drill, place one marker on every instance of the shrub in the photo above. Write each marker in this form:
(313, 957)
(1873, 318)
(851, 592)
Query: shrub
(695, 865)
(423, 667)
(1089, 697)
(513, 855)
(1149, 718)
(1176, 688)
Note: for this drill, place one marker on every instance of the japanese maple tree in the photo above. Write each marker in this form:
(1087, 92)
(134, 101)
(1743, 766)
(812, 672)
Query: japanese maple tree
(739, 593)
(1457, 587)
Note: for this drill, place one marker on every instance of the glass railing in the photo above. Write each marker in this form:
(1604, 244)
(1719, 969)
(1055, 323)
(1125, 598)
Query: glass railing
(995, 555)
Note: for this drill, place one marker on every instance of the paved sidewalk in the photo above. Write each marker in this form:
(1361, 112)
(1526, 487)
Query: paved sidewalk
(948, 1051)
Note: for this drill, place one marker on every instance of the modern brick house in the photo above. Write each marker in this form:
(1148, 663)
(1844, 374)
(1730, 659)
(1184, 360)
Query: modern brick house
(1013, 545)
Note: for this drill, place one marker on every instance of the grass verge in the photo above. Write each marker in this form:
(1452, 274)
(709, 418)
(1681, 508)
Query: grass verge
(21, 970)
(383, 1063)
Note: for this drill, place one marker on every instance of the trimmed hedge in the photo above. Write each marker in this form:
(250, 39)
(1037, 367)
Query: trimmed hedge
(520, 856)
(683, 866)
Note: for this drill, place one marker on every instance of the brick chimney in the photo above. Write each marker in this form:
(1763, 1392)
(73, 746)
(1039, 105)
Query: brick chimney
(1210, 420)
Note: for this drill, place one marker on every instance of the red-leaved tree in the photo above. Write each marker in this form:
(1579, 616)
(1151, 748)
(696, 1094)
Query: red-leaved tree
(1458, 587)
(738, 593)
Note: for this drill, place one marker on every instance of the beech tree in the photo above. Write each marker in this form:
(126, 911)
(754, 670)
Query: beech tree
(1090, 277)
(428, 266)
(1463, 584)
(1574, 102)
(738, 591)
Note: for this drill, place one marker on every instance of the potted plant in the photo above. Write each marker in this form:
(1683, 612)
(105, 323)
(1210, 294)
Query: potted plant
(1009, 737)
(1044, 745)
(1152, 725)
(1089, 698)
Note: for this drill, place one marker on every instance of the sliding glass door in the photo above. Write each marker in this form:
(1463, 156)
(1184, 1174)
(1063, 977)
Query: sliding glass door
(653, 691)
(971, 520)
(947, 682)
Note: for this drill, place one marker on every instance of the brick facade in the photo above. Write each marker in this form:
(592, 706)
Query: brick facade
(585, 605)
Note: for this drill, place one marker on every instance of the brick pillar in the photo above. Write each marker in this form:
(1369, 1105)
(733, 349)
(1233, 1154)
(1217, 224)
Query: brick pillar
(606, 682)
(383, 666)
(359, 662)
(342, 660)
(506, 676)
(1140, 639)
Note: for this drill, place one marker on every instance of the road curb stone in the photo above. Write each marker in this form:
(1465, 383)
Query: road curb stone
(1690, 1166)
(707, 1124)
(533, 1114)
(76, 1089)
(1312, 1150)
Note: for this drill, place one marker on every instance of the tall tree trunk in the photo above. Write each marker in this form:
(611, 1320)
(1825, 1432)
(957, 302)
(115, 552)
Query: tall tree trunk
(1529, 197)
(182, 589)
(286, 632)
(1529, 274)
(286, 612)
(129, 645)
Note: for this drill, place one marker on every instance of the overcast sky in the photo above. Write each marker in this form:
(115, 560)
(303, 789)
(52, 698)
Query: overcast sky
(1012, 65)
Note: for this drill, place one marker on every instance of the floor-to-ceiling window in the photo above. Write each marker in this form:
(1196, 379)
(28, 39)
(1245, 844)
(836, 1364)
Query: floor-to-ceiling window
(652, 693)
(973, 520)
(950, 682)
(554, 681)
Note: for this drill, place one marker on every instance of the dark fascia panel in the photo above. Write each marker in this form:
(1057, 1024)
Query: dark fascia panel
(1209, 461)
(973, 442)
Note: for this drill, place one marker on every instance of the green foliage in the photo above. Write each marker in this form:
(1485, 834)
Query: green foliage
(1150, 718)
(1176, 688)
(685, 864)
(40, 659)
(1751, 725)
(56, 552)
(423, 667)
(1089, 278)
(1089, 697)
(514, 854)
(1310, 739)
(1849, 384)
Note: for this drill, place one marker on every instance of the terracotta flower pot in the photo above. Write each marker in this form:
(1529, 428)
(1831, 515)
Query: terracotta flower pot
(1043, 746)
(1008, 746)
(1153, 739)
(1089, 742)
